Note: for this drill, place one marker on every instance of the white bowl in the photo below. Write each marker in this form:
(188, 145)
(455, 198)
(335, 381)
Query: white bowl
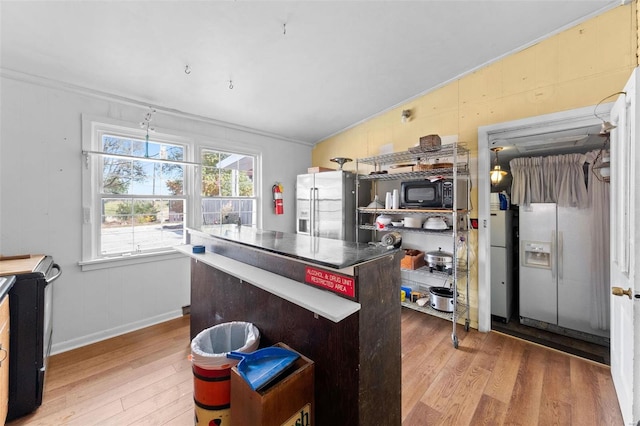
(412, 222)
(436, 223)
(397, 224)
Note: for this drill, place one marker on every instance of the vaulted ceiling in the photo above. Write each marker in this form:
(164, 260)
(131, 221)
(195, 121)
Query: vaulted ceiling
(300, 70)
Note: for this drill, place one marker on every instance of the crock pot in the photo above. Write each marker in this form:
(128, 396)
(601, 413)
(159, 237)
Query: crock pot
(393, 239)
(439, 260)
(441, 298)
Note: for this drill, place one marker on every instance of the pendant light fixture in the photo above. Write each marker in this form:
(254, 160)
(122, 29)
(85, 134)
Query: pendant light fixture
(146, 124)
(496, 173)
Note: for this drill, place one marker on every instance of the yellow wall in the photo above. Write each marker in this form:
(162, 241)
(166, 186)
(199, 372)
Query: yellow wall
(573, 69)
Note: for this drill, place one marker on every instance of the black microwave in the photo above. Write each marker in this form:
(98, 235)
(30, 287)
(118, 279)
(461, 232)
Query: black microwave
(425, 194)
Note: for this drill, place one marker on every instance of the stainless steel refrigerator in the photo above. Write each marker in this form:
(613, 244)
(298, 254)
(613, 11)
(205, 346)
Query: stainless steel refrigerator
(501, 264)
(555, 247)
(326, 204)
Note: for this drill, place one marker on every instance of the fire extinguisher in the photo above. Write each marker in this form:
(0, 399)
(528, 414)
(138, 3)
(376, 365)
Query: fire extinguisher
(278, 202)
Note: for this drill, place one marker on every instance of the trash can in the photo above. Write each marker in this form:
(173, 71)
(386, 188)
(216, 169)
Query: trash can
(212, 368)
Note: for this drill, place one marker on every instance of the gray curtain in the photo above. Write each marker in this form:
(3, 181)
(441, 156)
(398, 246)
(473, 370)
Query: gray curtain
(600, 285)
(554, 179)
(527, 185)
(560, 179)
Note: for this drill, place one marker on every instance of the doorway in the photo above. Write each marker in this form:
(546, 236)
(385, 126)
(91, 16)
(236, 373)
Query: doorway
(552, 134)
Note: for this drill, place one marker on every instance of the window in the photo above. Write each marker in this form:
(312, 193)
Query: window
(134, 191)
(227, 188)
(139, 192)
(142, 198)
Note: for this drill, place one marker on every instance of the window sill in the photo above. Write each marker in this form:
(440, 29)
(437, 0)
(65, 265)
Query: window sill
(134, 259)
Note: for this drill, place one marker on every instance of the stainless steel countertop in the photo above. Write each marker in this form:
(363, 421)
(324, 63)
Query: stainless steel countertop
(321, 251)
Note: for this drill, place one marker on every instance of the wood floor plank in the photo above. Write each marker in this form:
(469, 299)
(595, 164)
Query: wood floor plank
(96, 416)
(147, 410)
(524, 406)
(462, 404)
(419, 375)
(555, 403)
(145, 336)
(121, 378)
(608, 409)
(587, 398)
(491, 379)
(423, 415)
(102, 364)
(491, 349)
(505, 372)
(416, 332)
(489, 411)
(448, 379)
(172, 410)
(182, 419)
(140, 353)
(136, 395)
(91, 399)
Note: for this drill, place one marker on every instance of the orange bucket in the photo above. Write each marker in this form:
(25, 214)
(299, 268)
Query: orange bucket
(212, 395)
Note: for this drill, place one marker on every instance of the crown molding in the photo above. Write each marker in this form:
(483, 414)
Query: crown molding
(110, 97)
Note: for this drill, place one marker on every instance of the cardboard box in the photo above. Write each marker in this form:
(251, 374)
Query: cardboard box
(319, 169)
(289, 400)
(413, 259)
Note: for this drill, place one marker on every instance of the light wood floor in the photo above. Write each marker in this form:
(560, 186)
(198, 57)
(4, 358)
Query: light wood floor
(145, 378)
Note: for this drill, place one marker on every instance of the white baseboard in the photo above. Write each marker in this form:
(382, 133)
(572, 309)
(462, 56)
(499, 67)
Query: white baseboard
(68, 345)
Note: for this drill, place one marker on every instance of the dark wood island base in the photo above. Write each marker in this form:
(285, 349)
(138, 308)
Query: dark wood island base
(357, 358)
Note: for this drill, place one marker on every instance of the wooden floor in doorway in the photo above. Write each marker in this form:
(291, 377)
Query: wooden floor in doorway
(144, 378)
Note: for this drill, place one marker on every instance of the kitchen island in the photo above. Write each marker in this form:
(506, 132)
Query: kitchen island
(336, 302)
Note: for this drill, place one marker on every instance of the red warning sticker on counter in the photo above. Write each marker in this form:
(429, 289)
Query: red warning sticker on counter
(330, 281)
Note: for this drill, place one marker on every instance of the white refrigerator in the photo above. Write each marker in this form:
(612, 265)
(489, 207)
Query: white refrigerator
(555, 250)
(501, 264)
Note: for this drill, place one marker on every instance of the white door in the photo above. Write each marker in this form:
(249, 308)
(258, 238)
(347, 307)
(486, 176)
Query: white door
(625, 225)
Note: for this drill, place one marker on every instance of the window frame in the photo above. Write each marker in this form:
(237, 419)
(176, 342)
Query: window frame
(256, 182)
(92, 130)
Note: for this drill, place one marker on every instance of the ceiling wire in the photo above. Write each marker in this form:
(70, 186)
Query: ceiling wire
(595, 109)
(187, 70)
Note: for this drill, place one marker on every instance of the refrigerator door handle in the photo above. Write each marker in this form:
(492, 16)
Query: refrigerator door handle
(554, 265)
(311, 212)
(314, 216)
(560, 255)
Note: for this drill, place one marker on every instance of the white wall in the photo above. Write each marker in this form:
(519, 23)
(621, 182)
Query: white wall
(40, 207)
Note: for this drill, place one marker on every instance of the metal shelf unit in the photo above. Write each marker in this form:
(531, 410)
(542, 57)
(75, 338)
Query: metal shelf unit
(457, 155)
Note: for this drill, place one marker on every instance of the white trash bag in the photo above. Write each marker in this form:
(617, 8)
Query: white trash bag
(210, 347)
